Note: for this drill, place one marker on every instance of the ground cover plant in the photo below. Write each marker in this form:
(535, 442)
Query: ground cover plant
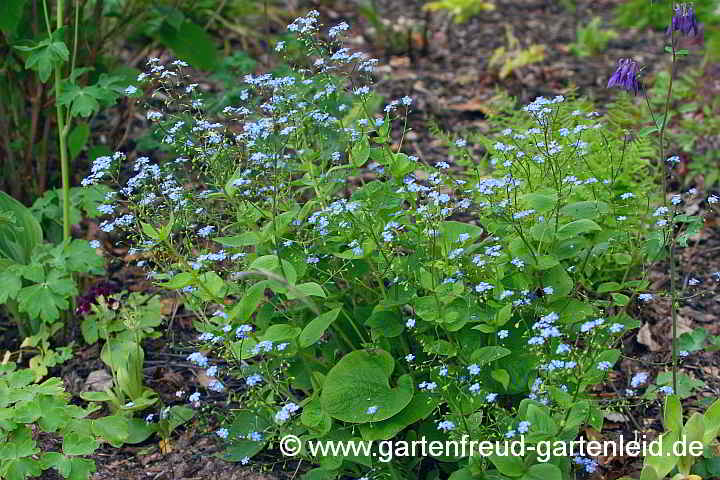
(366, 311)
(343, 289)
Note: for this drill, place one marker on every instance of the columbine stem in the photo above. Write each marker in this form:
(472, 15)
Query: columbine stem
(661, 134)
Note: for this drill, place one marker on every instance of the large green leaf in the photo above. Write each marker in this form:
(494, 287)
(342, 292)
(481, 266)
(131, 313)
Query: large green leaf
(271, 264)
(20, 237)
(509, 465)
(419, 407)
(485, 355)
(10, 14)
(559, 280)
(191, 43)
(712, 422)
(314, 330)
(543, 471)
(360, 380)
(112, 428)
(588, 209)
(573, 229)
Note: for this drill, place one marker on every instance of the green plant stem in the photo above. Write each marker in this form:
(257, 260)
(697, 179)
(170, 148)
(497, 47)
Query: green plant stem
(62, 134)
(673, 305)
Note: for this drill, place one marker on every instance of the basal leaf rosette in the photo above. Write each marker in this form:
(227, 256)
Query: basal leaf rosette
(357, 389)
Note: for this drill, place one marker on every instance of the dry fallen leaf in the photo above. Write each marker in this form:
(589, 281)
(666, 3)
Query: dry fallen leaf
(98, 381)
(644, 337)
(616, 417)
(165, 446)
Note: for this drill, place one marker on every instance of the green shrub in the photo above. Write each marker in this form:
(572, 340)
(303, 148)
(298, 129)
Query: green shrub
(333, 273)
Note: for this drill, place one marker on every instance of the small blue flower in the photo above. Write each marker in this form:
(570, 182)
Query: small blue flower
(524, 426)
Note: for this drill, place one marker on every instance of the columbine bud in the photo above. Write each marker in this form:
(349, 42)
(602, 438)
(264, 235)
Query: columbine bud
(684, 20)
(625, 76)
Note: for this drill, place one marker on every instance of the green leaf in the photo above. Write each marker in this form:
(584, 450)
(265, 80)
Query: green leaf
(419, 408)
(21, 468)
(19, 238)
(620, 299)
(39, 301)
(81, 468)
(243, 424)
(10, 15)
(271, 263)
(242, 240)
(46, 55)
(314, 330)
(179, 415)
(58, 461)
(18, 444)
(310, 289)
(78, 444)
(191, 43)
(388, 323)
(644, 132)
(584, 210)
(509, 465)
(578, 415)
(485, 355)
(77, 139)
(543, 471)
(112, 428)
(664, 463)
(178, 281)
(501, 376)
(360, 152)
(441, 347)
(82, 101)
(61, 284)
(608, 287)
(712, 422)
(542, 423)
(360, 380)
(573, 229)
(544, 262)
(11, 284)
(540, 202)
(692, 433)
(559, 280)
(692, 341)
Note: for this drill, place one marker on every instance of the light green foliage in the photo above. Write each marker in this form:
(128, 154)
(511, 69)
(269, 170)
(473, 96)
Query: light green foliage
(461, 10)
(30, 409)
(123, 322)
(37, 277)
(699, 432)
(512, 57)
(359, 299)
(592, 39)
(330, 271)
(41, 289)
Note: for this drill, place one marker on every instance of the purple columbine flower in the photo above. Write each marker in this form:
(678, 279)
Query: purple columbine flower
(625, 76)
(684, 20)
